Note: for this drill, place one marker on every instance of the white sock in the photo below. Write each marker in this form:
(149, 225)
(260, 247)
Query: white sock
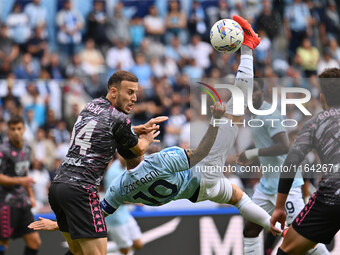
(320, 249)
(254, 213)
(252, 245)
(244, 76)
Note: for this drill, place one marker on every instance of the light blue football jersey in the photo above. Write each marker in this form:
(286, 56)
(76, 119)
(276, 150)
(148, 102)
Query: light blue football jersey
(262, 137)
(160, 178)
(122, 214)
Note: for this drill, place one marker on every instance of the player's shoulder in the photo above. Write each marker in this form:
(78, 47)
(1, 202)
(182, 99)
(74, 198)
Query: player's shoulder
(5, 147)
(327, 114)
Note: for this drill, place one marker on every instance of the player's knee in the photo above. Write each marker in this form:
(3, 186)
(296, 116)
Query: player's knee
(250, 232)
(124, 250)
(34, 242)
(138, 244)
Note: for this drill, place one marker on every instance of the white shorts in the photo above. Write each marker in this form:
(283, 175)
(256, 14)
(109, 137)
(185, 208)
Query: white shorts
(124, 235)
(214, 186)
(293, 206)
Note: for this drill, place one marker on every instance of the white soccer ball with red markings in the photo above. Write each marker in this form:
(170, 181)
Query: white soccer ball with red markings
(226, 36)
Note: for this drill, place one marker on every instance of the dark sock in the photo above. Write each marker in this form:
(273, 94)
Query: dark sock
(2, 250)
(281, 252)
(68, 253)
(30, 251)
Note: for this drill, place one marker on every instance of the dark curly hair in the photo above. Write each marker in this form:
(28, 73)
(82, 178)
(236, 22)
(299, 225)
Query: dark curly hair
(330, 86)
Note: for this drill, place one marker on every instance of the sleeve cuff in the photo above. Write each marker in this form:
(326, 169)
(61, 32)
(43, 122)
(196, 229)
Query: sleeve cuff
(106, 207)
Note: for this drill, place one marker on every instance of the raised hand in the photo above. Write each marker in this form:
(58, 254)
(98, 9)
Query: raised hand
(218, 110)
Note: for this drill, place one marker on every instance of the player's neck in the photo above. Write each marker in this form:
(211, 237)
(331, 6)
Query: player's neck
(133, 163)
(111, 99)
(17, 144)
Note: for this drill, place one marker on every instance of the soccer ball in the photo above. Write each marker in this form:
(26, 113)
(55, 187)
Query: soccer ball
(226, 36)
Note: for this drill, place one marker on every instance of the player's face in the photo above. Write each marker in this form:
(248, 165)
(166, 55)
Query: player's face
(127, 96)
(16, 133)
(257, 96)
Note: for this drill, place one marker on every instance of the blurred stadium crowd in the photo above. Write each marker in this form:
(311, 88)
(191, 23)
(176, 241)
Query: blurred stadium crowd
(52, 63)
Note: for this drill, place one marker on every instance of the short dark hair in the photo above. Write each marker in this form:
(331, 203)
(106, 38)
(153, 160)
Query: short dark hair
(119, 76)
(15, 120)
(330, 86)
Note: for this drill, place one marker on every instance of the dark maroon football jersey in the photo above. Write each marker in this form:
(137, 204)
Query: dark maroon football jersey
(14, 162)
(99, 129)
(321, 133)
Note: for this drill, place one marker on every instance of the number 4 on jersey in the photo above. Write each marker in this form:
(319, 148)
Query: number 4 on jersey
(83, 137)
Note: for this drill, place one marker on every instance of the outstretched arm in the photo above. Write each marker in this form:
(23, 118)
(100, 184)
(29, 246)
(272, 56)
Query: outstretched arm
(203, 149)
(302, 145)
(280, 147)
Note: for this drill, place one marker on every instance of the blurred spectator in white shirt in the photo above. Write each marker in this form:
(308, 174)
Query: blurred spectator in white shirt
(204, 49)
(327, 61)
(120, 56)
(154, 24)
(37, 14)
(92, 59)
(18, 25)
(43, 149)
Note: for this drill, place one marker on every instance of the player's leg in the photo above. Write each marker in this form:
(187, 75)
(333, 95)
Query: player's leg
(6, 226)
(31, 237)
(245, 72)
(120, 235)
(78, 213)
(33, 243)
(316, 223)
(252, 242)
(135, 234)
(223, 192)
(72, 244)
(295, 244)
(93, 246)
(249, 209)
(294, 205)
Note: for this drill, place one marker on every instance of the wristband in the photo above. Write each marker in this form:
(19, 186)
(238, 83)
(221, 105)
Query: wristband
(252, 154)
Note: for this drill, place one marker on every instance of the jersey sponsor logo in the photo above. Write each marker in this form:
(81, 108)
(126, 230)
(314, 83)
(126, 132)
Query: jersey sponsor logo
(21, 167)
(72, 161)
